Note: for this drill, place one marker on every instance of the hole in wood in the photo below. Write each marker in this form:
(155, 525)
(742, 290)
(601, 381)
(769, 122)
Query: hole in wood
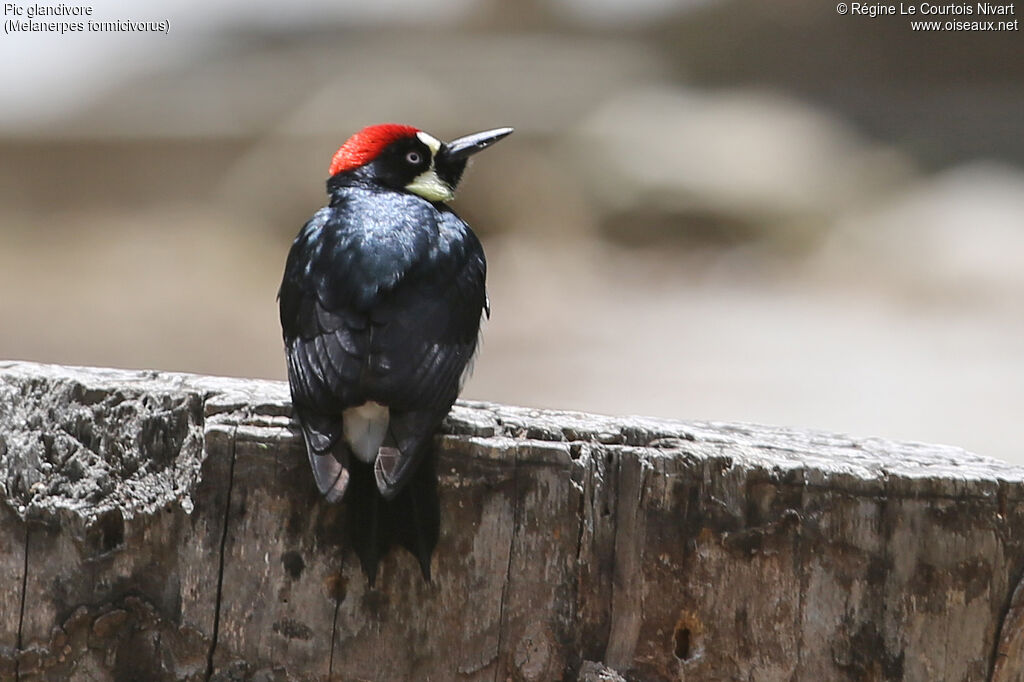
(293, 564)
(107, 534)
(687, 638)
(681, 640)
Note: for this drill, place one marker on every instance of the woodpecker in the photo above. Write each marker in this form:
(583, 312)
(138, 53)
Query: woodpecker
(381, 304)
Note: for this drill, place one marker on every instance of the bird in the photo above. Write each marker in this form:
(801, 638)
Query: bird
(381, 304)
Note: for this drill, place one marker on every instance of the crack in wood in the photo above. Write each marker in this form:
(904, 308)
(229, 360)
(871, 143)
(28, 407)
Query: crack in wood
(885, 521)
(577, 605)
(334, 634)
(612, 513)
(502, 620)
(1002, 624)
(21, 607)
(803, 578)
(223, 551)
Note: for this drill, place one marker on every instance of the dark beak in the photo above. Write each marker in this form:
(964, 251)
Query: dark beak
(464, 147)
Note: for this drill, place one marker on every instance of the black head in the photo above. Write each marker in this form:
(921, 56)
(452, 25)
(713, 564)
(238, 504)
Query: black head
(404, 158)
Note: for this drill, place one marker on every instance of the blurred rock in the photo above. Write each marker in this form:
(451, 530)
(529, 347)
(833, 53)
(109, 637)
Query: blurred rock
(958, 235)
(736, 163)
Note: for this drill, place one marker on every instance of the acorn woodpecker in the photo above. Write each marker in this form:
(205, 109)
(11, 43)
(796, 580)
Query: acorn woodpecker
(381, 304)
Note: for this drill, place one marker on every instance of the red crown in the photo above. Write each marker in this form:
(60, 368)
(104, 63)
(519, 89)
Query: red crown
(365, 145)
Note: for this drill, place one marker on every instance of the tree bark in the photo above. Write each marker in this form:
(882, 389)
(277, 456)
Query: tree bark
(162, 526)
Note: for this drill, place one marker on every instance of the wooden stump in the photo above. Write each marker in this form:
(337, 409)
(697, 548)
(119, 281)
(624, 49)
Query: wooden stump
(163, 526)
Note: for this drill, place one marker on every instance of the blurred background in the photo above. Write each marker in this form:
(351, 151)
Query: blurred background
(711, 209)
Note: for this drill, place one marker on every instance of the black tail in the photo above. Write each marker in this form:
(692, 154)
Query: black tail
(411, 519)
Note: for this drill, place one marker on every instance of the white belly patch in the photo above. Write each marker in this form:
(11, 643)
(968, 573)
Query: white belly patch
(365, 427)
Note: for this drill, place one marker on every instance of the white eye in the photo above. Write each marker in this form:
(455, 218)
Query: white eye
(413, 157)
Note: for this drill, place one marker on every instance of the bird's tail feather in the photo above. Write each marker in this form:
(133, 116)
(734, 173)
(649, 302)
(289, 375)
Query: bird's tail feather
(417, 514)
(411, 519)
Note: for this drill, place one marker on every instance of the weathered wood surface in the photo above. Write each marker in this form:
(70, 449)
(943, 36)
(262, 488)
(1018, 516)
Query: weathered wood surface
(165, 527)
